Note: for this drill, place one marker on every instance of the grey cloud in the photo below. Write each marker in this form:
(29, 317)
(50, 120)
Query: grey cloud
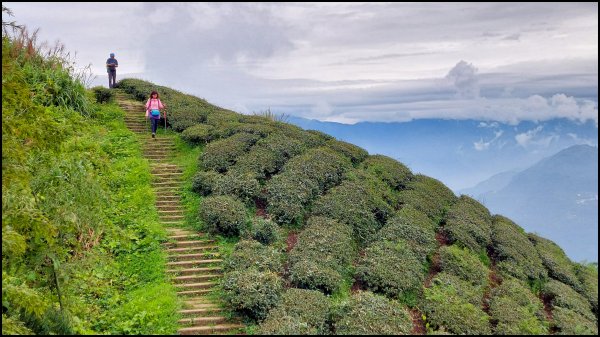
(464, 76)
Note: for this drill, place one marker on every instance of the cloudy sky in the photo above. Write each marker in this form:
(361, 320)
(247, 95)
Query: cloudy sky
(504, 62)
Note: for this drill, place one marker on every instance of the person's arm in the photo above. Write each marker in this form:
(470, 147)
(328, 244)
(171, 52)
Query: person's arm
(160, 104)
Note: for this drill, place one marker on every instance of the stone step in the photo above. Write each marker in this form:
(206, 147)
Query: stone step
(192, 249)
(206, 255)
(200, 311)
(179, 236)
(166, 183)
(200, 303)
(203, 330)
(198, 292)
(192, 271)
(195, 278)
(172, 222)
(163, 208)
(203, 320)
(189, 264)
(195, 286)
(171, 217)
(191, 243)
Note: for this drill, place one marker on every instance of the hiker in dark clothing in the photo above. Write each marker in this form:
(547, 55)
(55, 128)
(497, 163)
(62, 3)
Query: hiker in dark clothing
(111, 68)
(153, 107)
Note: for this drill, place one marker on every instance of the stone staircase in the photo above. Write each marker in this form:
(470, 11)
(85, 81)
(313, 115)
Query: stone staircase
(193, 259)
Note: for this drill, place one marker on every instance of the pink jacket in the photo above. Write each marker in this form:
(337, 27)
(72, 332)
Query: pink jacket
(153, 104)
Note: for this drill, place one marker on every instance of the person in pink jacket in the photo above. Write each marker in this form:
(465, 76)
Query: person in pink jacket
(153, 107)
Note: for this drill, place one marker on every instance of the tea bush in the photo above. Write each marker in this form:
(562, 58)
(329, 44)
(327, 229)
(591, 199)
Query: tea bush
(464, 264)
(221, 154)
(252, 254)
(391, 171)
(204, 182)
(556, 262)
(309, 309)
(252, 292)
(198, 134)
(242, 186)
(427, 195)
(354, 153)
(370, 314)
(469, 224)
(223, 215)
(514, 253)
(264, 231)
(565, 297)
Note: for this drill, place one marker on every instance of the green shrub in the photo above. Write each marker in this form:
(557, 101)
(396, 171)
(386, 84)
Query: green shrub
(197, 134)
(322, 165)
(464, 264)
(184, 117)
(449, 303)
(103, 95)
(391, 171)
(251, 254)
(268, 156)
(427, 195)
(221, 154)
(287, 196)
(204, 182)
(311, 274)
(370, 314)
(469, 224)
(262, 130)
(588, 276)
(465, 289)
(569, 322)
(243, 186)
(354, 153)
(223, 215)
(516, 309)
(402, 281)
(300, 311)
(322, 255)
(563, 296)
(308, 138)
(411, 226)
(252, 292)
(223, 117)
(514, 254)
(264, 231)
(556, 262)
(352, 203)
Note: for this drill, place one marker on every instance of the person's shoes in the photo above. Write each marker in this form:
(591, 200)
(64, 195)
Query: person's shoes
(154, 135)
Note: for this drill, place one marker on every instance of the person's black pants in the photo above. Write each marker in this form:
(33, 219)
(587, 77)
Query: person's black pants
(112, 78)
(154, 124)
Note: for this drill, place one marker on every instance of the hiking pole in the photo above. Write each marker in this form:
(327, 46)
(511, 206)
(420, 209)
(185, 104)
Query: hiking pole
(165, 120)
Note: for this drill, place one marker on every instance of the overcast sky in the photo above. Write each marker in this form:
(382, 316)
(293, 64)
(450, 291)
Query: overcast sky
(504, 62)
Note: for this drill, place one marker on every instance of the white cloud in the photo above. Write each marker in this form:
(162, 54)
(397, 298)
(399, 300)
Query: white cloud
(481, 145)
(464, 77)
(523, 139)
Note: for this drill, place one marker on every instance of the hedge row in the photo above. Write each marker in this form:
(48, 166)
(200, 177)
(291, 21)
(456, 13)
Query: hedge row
(223, 215)
(322, 255)
(563, 296)
(354, 153)
(252, 292)
(394, 269)
(221, 154)
(392, 172)
(517, 310)
(252, 254)
(463, 263)
(556, 261)
(370, 314)
(300, 312)
(303, 177)
(427, 195)
(469, 224)
(514, 254)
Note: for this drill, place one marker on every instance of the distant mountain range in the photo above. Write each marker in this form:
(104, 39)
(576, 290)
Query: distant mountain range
(557, 198)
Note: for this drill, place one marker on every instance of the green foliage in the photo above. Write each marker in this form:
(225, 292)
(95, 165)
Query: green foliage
(243, 186)
(516, 309)
(249, 253)
(563, 296)
(103, 95)
(402, 281)
(204, 182)
(198, 134)
(221, 154)
(413, 227)
(392, 172)
(354, 153)
(464, 264)
(302, 179)
(353, 203)
(300, 311)
(514, 254)
(370, 314)
(264, 231)
(268, 156)
(223, 215)
(588, 276)
(556, 261)
(568, 322)
(449, 304)
(252, 292)
(427, 195)
(469, 224)
(322, 255)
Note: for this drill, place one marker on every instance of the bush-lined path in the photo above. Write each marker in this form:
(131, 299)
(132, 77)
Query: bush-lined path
(194, 261)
